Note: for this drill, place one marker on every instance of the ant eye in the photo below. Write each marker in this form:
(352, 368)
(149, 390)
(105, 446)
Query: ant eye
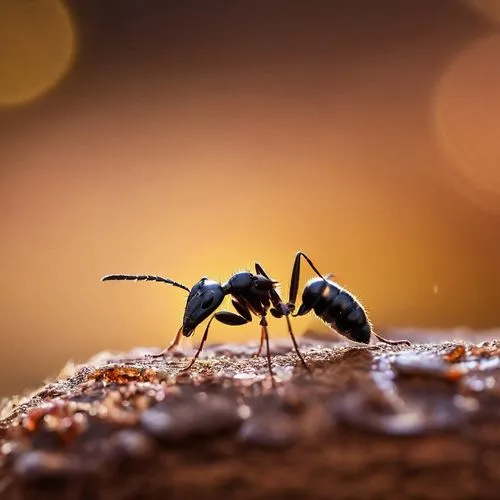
(208, 300)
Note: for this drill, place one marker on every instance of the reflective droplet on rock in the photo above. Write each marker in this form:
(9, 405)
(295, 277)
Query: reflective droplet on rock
(132, 444)
(35, 465)
(274, 430)
(430, 366)
(189, 418)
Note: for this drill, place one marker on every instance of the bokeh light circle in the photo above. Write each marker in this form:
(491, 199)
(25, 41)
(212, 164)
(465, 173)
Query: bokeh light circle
(467, 120)
(37, 47)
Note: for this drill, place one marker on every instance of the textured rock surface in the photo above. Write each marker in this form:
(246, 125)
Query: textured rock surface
(418, 422)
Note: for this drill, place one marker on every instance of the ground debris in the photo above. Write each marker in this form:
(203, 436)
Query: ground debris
(360, 406)
(455, 354)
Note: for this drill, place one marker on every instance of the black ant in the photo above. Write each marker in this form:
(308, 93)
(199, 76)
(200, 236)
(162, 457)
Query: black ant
(256, 294)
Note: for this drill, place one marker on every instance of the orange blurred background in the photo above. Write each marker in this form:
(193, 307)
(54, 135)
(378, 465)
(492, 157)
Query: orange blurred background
(193, 138)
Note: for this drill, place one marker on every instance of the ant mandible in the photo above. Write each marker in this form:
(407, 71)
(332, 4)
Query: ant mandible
(256, 294)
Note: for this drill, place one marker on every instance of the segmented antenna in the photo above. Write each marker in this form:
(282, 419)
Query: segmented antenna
(143, 277)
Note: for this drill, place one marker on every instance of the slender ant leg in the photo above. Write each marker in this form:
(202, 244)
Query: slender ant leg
(258, 353)
(225, 317)
(245, 312)
(392, 342)
(265, 334)
(294, 282)
(295, 345)
(203, 339)
(176, 342)
(281, 309)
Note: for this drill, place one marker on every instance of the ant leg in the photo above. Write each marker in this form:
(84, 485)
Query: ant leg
(392, 342)
(265, 334)
(195, 357)
(273, 294)
(176, 342)
(242, 310)
(225, 317)
(294, 282)
(281, 310)
(258, 353)
(245, 312)
(260, 270)
(295, 345)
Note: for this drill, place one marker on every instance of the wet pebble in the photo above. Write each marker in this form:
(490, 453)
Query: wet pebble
(375, 414)
(271, 430)
(36, 465)
(248, 376)
(132, 444)
(480, 382)
(414, 415)
(426, 366)
(201, 415)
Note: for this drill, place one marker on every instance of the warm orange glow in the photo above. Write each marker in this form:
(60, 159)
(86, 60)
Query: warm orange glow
(488, 8)
(468, 120)
(209, 209)
(190, 143)
(37, 45)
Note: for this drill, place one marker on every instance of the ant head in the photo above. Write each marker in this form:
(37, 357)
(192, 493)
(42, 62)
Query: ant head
(205, 297)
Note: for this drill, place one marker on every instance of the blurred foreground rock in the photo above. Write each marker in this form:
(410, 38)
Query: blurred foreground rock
(419, 422)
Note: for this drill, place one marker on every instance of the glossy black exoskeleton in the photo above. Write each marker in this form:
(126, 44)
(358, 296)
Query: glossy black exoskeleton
(337, 307)
(256, 294)
(252, 294)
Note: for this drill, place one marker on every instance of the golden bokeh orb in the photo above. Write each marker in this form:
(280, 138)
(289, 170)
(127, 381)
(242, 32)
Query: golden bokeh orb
(467, 121)
(37, 47)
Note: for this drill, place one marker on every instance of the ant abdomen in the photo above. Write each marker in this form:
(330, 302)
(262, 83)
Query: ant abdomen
(337, 308)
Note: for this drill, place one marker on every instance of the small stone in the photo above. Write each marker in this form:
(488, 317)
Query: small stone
(376, 414)
(426, 366)
(244, 411)
(34, 416)
(8, 448)
(271, 430)
(156, 421)
(415, 413)
(466, 403)
(133, 444)
(483, 382)
(199, 416)
(36, 465)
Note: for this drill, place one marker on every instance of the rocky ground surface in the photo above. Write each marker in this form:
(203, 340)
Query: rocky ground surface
(407, 422)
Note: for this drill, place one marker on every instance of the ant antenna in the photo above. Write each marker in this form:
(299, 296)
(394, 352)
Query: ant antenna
(144, 277)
